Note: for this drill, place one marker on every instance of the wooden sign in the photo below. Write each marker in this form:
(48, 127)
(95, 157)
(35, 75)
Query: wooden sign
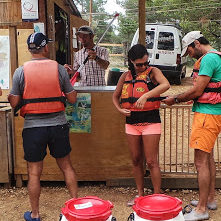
(10, 11)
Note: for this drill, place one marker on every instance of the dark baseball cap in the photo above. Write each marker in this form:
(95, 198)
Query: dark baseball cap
(85, 30)
(37, 40)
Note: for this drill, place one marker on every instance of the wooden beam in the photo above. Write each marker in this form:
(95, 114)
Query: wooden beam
(13, 48)
(91, 10)
(142, 21)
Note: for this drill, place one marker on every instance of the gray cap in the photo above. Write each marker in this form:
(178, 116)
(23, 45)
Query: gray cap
(188, 39)
(85, 30)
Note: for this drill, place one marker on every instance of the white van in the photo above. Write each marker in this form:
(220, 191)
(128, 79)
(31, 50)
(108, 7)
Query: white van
(163, 43)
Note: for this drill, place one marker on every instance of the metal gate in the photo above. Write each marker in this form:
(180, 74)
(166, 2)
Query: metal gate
(175, 156)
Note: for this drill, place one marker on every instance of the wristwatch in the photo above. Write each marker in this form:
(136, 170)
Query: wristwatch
(176, 100)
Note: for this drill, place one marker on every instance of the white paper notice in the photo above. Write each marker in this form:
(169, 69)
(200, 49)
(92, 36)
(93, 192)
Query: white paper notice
(83, 206)
(4, 62)
(29, 9)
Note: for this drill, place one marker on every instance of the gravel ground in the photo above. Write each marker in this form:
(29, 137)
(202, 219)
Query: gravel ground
(14, 202)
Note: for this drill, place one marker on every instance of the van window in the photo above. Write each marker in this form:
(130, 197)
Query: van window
(149, 39)
(166, 41)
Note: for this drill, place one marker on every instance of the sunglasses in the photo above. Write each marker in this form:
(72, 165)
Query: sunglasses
(141, 64)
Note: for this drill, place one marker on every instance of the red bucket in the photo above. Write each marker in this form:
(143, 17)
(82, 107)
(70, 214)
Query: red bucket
(158, 207)
(90, 208)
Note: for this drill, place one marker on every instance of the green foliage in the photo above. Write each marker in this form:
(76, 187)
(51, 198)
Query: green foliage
(100, 19)
(191, 15)
(127, 27)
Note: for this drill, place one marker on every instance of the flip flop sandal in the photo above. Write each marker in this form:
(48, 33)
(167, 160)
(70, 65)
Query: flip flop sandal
(131, 202)
(27, 217)
(211, 206)
(194, 216)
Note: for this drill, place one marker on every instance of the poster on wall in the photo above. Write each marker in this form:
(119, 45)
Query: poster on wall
(4, 62)
(78, 114)
(29, 9)
(39, 27)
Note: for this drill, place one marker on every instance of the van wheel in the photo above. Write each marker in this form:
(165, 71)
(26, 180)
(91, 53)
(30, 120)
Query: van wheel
(177, 81)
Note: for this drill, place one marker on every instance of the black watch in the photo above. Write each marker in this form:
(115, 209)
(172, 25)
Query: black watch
(176, 100)
(97, 58)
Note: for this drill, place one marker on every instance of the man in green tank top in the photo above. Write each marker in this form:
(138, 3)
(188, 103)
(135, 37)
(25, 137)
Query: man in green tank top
(207, 118)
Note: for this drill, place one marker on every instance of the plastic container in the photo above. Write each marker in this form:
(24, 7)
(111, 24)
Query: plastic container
(157, 207)
(113, 76)
(90, 208)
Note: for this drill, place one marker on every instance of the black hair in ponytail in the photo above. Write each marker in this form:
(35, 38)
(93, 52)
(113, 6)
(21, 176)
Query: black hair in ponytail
(136, 52)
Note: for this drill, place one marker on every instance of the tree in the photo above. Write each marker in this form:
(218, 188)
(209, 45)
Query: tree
(100, 18)
(128, 23)
(190, 15)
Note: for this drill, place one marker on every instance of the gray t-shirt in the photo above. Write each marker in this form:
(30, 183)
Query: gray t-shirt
(42, 120)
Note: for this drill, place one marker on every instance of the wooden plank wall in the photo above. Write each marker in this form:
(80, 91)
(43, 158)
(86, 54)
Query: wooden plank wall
(10, 12)
(103, 154)
(23, 53)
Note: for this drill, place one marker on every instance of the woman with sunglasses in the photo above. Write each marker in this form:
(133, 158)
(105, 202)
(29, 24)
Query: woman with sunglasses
(137, 97)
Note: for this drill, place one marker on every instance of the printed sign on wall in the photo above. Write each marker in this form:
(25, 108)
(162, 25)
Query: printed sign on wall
(39, 27)
(4, 62)
(29, 9)
(78, 115)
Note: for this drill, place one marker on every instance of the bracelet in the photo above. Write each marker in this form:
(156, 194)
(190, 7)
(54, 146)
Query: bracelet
(97, 58)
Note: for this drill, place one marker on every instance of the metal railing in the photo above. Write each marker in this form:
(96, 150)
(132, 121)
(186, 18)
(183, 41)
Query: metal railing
(175, 156)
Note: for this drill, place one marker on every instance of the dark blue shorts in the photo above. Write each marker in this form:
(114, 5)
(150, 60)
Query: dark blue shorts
(36, 140)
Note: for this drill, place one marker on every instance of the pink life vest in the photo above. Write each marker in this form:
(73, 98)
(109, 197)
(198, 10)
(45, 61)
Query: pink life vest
(42, 92)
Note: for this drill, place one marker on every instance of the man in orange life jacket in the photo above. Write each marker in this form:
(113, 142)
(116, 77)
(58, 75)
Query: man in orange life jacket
(207, 117)
(39, 85)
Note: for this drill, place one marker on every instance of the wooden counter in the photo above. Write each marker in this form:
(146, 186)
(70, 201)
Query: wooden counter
(97, 156)
(6, 159)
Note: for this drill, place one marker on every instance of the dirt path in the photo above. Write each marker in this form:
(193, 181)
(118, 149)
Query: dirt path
(14, 202)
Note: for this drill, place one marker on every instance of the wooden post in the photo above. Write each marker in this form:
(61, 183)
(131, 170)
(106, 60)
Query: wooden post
(142, 21)
(13, 48)
(125, 50)
(91, 10)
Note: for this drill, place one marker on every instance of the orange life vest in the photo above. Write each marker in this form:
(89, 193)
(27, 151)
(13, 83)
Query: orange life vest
(212, 93)
(133, 89)
(42, 92)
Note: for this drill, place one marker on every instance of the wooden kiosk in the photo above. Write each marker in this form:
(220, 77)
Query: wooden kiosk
(99, 155)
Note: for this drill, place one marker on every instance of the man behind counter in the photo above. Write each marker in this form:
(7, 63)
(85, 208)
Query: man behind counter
(93, 73)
